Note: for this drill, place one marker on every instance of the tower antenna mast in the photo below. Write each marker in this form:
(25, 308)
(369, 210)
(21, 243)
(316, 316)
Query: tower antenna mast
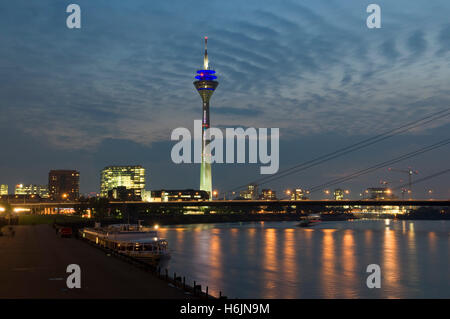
(205, 59)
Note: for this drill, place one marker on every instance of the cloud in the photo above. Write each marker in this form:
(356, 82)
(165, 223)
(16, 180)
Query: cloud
(128, 73)
(417, 43)
(389, 50)
(238, 111)
(444, 39)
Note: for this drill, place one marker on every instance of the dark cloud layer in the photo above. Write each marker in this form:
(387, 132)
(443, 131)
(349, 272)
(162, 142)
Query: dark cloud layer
(114, 90)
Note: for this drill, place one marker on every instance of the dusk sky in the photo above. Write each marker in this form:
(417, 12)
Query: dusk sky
(111, 92)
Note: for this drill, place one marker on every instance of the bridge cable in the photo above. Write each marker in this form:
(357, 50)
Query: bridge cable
(348, 149)
(381, 165)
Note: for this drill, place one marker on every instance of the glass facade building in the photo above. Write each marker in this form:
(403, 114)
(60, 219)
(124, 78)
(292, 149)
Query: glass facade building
(130, 177)
(3, 189)
(40, 190)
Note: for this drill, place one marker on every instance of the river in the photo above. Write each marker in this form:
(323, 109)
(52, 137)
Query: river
(329, 260)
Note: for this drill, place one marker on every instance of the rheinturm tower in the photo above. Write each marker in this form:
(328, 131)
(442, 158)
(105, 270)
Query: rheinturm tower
(206, 84)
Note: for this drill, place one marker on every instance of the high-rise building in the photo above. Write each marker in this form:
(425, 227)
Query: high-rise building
(206, 84)
(30, 189)
(64, 184)
(130, 177)
(3, 189)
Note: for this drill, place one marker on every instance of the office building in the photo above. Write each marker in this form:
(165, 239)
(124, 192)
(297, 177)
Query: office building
(179, 195)
(338, 194)
(250, 193)
(378, 193)
(268, 194)
(121, 193)
(130, 177)
(299, 194)
(3, 189)
(31, 189)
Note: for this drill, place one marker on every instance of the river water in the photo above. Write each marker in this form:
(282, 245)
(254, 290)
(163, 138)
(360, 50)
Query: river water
(329, 260)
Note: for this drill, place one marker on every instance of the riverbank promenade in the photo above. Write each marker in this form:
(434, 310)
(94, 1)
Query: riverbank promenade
(35, 259)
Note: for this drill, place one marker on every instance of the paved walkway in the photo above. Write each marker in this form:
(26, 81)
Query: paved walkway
(33, 264)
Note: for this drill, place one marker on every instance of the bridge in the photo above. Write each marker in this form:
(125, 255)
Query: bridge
(238, 203)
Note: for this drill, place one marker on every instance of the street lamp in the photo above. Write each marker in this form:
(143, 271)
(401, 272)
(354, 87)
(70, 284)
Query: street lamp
(347, 192)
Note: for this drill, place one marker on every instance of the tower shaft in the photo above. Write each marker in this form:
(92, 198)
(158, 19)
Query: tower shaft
(205, 169)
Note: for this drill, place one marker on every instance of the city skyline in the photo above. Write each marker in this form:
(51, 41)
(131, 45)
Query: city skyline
(318, 172)
(114, 113)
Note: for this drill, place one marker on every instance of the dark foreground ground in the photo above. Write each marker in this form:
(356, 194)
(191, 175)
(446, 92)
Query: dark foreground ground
(34, 261)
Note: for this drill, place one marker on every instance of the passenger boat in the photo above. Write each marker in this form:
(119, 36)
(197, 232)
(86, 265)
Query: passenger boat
(133, 240)
(308, 222)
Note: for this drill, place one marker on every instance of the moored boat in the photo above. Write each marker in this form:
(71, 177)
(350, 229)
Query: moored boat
(142, 243)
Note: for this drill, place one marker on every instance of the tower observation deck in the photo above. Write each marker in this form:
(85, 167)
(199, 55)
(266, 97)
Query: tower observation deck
(206, 84)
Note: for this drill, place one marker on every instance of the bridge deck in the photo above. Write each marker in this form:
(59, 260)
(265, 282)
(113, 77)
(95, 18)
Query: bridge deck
(252, 203)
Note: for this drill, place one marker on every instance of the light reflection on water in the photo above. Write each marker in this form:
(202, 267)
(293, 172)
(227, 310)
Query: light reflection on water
(279, 260)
